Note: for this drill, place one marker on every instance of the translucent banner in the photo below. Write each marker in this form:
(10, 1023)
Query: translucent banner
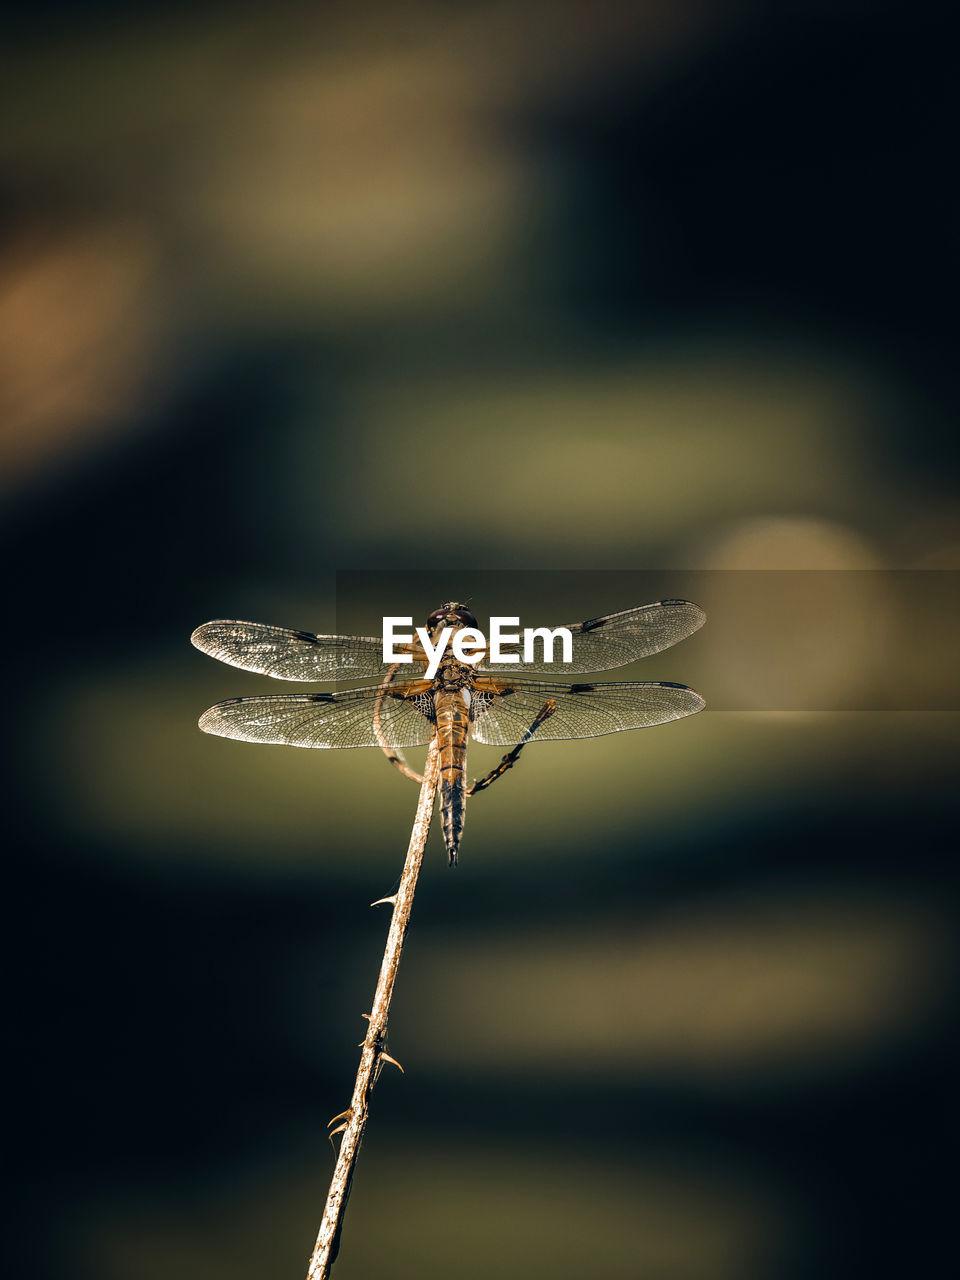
(774, 640)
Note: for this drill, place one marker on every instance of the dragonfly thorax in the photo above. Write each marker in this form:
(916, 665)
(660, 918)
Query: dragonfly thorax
(454, 675)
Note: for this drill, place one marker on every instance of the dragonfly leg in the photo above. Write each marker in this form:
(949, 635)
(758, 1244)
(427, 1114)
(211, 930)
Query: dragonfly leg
(395, 757)
(398, 762)
(510, 759)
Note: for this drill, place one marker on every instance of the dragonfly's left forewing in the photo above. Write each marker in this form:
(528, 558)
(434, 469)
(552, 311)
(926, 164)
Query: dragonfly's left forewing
(612, 639)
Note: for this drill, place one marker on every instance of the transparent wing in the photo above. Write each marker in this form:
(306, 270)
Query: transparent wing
(503, 710)
(291, 655)
(614, 639)
(342, 719)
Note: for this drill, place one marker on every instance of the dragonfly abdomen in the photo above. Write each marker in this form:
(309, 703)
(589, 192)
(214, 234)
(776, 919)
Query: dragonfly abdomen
(453, 723)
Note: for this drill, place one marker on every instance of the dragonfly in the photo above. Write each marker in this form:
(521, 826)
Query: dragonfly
(482, 699)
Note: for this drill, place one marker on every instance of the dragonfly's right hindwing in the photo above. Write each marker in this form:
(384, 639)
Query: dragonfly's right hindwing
(344, 719)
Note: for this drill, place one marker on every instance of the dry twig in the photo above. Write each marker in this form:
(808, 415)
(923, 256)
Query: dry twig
(354, 1119)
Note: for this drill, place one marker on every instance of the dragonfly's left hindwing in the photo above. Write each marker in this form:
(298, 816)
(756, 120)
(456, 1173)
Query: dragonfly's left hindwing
(503, 710)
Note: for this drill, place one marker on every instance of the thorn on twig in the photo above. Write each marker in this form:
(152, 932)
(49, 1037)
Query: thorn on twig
(380, 901)
(385, 1057)
(344, 1115)
(339, 1129)
(365, 1015)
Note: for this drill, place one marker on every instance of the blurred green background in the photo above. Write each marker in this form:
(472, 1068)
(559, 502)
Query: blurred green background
(296, 289)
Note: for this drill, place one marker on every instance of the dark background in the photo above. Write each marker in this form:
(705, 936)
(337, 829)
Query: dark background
(286, 290)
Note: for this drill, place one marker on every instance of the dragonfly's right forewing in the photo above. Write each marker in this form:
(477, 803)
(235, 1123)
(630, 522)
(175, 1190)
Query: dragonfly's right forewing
(290, 655)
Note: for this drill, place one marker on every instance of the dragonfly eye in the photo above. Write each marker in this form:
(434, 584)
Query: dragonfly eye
(452, 612)
(465, 616)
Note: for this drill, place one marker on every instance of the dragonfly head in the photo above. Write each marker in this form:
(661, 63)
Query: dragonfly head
(452, 614)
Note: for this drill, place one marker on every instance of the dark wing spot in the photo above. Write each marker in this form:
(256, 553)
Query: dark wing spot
(582, 688)
(320, 697)
(593, 623)
(306, 635)
(670, 684)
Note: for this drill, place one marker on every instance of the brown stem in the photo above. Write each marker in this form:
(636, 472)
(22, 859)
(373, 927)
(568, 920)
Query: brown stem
(374, 1045)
